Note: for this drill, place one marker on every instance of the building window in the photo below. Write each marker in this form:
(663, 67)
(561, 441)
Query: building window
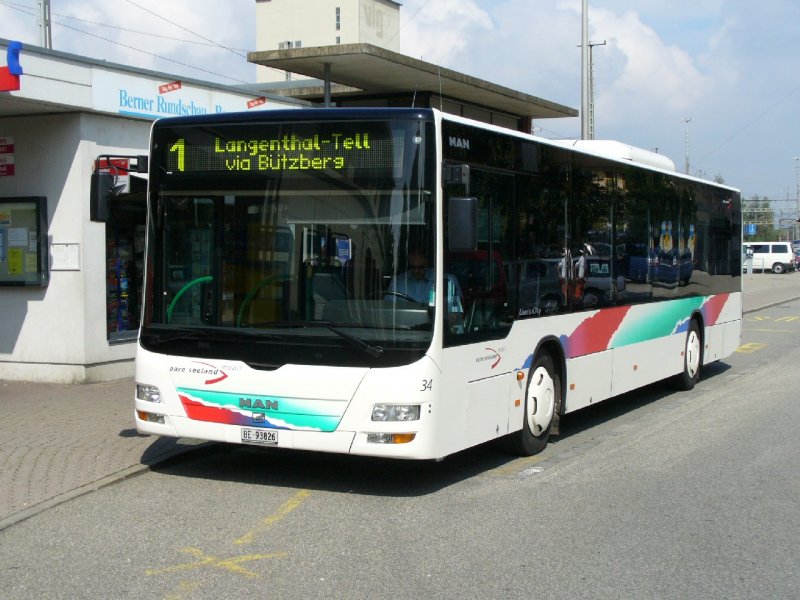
(125, 233)
(338, 18)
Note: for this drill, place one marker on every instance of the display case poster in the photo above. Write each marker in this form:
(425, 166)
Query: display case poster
(23, 236)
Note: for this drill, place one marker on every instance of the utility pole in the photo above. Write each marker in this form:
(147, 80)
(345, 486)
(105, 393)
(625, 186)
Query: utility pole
(797, 182)
(591, 87)
(44, 24)
(585, 71)
(687, 120)
(797, 187)
(590, 112)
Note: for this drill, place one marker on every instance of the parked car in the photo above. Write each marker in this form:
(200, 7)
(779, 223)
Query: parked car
(777, 256)
(600, 286)
(538, 287)
(638, 262)
(674, 267)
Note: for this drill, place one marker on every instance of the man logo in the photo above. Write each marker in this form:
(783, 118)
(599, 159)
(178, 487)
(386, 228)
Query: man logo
(457, 142)
(258, 404)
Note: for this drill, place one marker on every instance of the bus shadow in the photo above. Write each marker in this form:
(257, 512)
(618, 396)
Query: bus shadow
(332, 472)
(387, 477)
(625, 404)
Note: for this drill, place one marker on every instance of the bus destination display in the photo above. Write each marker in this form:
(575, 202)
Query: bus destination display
(289, 152)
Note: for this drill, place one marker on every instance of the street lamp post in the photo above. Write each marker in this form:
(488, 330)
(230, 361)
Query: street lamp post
(797, 189)
(687, 120)
(585, 70)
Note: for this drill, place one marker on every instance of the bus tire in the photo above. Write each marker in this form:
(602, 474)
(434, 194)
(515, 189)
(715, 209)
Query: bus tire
(692, 359)
(542, 400)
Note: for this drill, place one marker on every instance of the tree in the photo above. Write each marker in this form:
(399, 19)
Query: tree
(759, 210)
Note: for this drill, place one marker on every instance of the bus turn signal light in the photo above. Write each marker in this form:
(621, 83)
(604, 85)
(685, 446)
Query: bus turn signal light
(390, 438)
(150, 417)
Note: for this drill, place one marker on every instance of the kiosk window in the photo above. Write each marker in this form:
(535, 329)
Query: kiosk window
(125, 235)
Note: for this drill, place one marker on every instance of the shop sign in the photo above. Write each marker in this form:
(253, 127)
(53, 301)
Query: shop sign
(6, 156)
(149, 98)
(170, 87)
(9, 75)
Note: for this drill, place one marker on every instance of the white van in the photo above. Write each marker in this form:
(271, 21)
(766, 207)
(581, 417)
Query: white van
(777, 256)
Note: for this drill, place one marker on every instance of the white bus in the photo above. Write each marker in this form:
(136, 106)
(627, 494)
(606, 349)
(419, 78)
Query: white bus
(281, 255)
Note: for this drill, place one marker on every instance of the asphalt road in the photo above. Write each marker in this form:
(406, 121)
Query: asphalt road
(657, 494)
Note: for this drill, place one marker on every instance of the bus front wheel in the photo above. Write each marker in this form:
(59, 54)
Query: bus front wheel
(542, 399)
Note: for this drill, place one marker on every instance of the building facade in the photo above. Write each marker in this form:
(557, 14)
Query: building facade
(286, 24)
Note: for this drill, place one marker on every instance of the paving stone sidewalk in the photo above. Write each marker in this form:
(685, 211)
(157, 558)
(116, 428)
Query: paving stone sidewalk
(59, 441)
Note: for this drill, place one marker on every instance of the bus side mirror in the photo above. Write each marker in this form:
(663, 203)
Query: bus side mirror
(103, 190)
(99, 196)
(462, 226)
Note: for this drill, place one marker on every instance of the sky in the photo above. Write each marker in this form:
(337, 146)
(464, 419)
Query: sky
(723, 73)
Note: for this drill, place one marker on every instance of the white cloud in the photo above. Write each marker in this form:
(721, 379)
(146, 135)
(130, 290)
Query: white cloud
(651, 77)
(440, 31)
(135, 36)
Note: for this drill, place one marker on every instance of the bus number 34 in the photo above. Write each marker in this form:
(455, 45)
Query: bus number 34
(427, 385)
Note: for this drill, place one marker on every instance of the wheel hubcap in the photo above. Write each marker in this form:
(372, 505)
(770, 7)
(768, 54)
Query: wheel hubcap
(692, 354)
(541, 401)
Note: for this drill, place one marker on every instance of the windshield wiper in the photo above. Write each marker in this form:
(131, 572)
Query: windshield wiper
(168, 335)
(373, 351)
(198, 333)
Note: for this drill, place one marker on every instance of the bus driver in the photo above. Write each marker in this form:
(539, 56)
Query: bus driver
(417, 284)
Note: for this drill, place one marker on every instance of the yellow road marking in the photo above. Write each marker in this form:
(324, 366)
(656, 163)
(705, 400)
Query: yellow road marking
(283, 510)
(185, 587)
(785, 319)
(751, 347)
(231, 564)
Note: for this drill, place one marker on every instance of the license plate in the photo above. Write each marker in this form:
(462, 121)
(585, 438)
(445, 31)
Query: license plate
(259, 436)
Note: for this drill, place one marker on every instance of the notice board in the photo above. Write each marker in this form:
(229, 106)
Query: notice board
(23, 241)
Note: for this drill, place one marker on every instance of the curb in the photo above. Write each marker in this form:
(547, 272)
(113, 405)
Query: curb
(193, 446)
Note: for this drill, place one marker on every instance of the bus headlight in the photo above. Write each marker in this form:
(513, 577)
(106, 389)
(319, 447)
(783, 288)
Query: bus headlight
(395, 412)
(148, 392)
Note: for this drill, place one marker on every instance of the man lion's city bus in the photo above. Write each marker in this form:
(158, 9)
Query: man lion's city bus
(558, 277)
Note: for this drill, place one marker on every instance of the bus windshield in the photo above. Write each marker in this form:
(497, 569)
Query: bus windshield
(289, 237)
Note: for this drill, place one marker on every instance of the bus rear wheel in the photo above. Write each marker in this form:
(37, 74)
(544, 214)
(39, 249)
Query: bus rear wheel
(692, 359)
(542, 399)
